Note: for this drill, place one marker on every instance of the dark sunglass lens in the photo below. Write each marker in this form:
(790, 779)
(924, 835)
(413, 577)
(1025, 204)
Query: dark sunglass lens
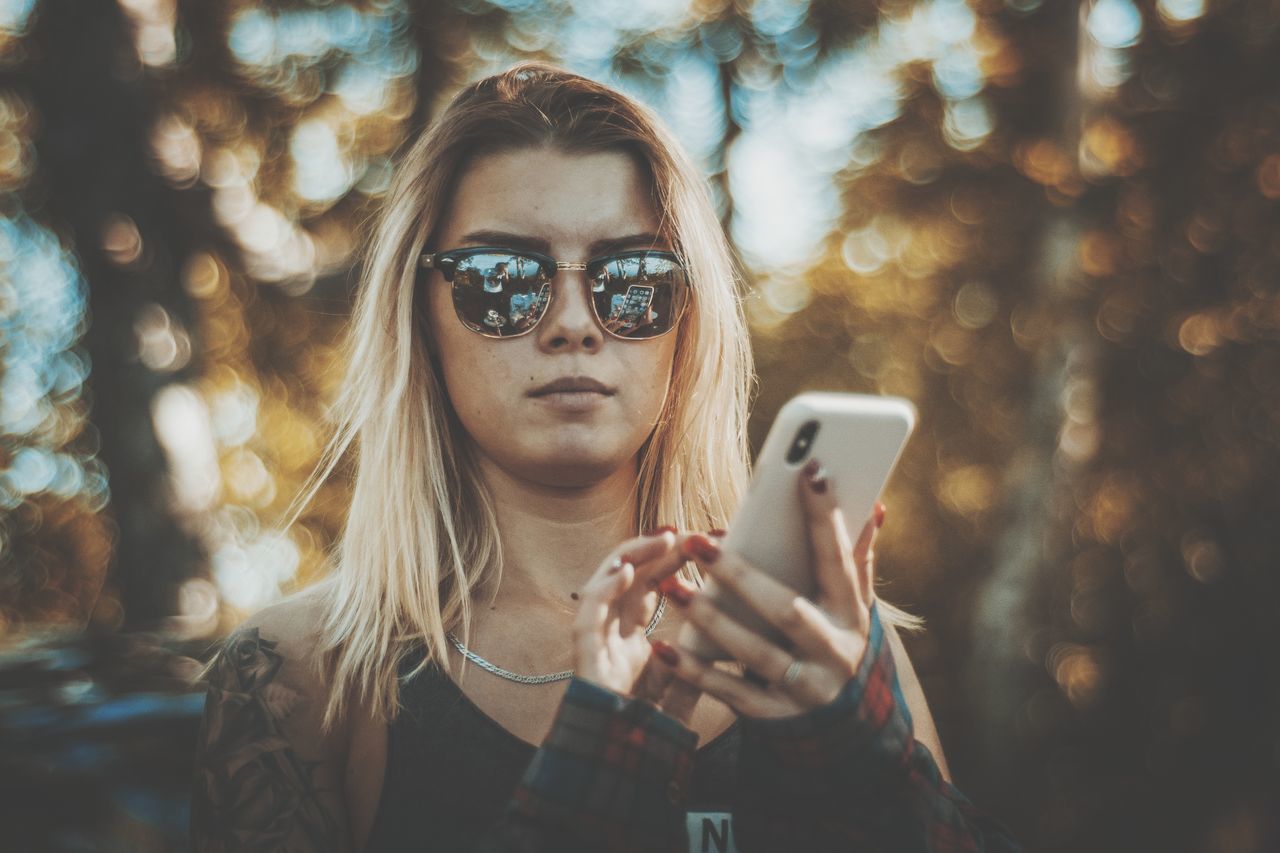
(639, 295)
(500, 294)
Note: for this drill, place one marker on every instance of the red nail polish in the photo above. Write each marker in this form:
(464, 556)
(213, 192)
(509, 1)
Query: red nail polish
(701, 548)
(719, 532)
(879, 515)
(666, 652)
(675, 590)
(814, 476)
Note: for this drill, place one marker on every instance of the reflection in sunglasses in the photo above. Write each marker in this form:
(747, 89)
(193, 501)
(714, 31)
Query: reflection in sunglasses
(526, 308)
(632, 309)
(501, 293)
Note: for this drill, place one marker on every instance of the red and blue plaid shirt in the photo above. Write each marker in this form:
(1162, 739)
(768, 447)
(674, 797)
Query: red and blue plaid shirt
(849, 776)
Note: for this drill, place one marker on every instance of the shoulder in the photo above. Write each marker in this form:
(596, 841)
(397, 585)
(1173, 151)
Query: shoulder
(272, 663)
(267, 773)
(293, 623)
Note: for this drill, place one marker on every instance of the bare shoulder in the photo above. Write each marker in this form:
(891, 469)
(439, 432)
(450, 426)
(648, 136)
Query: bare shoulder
(294, 621)
(276, 652)
(267, 774)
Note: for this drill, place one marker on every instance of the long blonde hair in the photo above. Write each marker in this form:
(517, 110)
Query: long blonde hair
(420, 541)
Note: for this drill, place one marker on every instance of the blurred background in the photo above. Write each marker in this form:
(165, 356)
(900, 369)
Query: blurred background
(1053, 224)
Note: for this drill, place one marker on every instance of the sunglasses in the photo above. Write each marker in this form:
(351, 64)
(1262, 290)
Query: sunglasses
(503, 293)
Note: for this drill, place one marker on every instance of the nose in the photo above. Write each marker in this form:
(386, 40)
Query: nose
(570, 321)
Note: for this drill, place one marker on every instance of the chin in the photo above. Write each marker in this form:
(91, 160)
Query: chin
(566, 457)
(570, 467)
(574, 470)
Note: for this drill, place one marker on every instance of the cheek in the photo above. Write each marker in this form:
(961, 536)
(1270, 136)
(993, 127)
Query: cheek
(479, 379)
(461, 356)
(652, 379)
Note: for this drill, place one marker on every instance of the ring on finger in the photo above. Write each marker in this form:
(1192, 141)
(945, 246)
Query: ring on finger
(792, 673)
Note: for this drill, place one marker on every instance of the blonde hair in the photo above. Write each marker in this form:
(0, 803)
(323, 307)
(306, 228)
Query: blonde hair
(420, 540)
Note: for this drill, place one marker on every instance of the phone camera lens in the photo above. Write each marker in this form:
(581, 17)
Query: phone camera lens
(800, 444)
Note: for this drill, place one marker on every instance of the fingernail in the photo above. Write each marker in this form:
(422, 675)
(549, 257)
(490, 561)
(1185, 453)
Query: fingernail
(815, 476)
(655, 531)
(701, 548)
(719, 532)
(675, 590)
(617, 567)
(879, 515)
(666, 652)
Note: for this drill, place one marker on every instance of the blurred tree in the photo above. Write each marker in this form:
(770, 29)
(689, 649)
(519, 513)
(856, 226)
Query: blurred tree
(130, 233)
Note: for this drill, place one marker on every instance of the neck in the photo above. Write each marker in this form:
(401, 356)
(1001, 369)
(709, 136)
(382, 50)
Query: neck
(555, 537)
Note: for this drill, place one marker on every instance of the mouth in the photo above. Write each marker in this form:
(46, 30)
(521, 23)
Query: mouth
(575, 385)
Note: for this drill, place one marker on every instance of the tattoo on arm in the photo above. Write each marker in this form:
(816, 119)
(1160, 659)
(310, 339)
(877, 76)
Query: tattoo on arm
(252, 791)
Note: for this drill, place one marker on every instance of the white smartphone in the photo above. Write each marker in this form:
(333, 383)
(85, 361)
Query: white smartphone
(857, 438)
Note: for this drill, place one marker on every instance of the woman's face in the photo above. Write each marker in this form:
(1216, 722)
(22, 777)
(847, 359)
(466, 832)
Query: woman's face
(566, 205)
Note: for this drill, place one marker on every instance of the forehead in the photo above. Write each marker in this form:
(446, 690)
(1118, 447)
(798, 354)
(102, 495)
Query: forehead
(569, 199)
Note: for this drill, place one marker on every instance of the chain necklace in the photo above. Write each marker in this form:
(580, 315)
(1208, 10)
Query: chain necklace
(539, 679)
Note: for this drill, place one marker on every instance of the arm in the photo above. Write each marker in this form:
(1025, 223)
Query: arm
(851, 774)
(612, 775)
(262, 781)
(916, 709)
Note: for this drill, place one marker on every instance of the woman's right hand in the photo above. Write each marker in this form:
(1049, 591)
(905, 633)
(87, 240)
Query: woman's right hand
(609, 642)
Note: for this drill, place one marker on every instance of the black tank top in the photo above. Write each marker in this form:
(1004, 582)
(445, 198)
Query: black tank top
(451, 769)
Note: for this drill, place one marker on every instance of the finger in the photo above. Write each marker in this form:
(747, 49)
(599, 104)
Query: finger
(743, 697)
(651, 571)
(834, 571)
(658, 683)
(864, 555)
(641, 598)
(653, 680)
(638, 550)
(799, 620)
(650, 575)
(745, 645)
(598, 598)
(865, 539)
(681, 698)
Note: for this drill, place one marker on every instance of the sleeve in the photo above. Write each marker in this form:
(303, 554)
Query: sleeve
(850, 776)
(612, 775)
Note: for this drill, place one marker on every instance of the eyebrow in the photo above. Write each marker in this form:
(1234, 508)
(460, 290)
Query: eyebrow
(522, 241)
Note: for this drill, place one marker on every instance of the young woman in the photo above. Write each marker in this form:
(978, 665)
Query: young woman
(492, 663)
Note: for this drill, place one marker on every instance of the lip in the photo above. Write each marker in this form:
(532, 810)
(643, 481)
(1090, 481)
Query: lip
(571, 384)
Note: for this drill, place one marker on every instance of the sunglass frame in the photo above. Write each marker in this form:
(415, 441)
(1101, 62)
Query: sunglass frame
(446, 263)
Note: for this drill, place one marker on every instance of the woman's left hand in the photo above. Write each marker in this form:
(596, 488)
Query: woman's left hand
(828, 636)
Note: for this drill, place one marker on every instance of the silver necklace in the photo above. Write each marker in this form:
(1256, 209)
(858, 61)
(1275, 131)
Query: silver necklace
(539, 679)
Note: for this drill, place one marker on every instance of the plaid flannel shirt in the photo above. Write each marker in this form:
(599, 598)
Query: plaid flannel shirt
(848, 776)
